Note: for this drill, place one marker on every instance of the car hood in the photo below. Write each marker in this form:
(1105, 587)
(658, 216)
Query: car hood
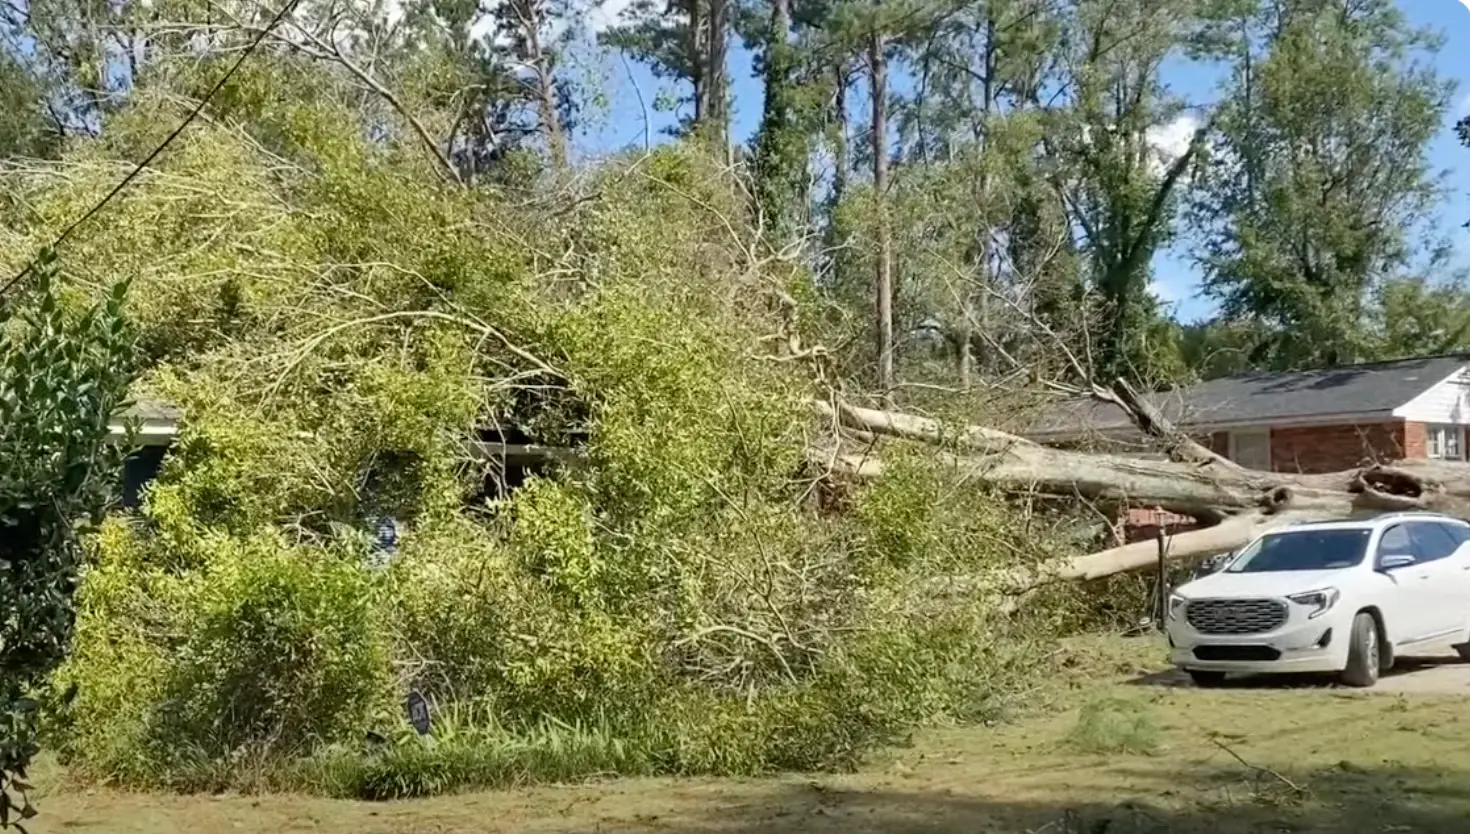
(1272, 584)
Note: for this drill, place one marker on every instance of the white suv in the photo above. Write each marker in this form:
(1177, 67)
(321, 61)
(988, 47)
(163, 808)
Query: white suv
(1345, 596)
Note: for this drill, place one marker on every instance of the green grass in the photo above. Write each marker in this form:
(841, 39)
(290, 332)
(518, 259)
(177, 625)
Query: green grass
(1234, 761)
(1108, 725)
(469, 748)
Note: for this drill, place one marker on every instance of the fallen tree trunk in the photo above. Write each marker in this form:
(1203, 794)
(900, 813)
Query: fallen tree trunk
(1238, 503)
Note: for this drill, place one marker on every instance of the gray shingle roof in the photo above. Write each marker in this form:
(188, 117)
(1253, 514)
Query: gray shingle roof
(145, 409)
(1267, 397)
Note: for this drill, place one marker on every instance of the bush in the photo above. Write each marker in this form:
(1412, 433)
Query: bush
(271, 652)
(63, 375)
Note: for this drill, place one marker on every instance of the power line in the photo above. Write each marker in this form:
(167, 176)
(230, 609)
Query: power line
(199, 107)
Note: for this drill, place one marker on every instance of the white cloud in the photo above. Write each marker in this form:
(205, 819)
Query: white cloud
(1171, 140)
(604, 15)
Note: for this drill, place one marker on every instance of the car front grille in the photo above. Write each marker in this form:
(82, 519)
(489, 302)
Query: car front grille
(1235, 616)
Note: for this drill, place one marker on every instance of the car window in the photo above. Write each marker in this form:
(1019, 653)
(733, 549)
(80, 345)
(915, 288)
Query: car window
(1395, 542)
(1431, 541)
(1459, 532)
(1303, 550)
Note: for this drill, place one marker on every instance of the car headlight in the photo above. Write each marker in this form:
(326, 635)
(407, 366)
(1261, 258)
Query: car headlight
(1319, 601)
(1176, 604)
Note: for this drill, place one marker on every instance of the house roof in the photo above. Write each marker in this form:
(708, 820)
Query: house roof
(1263, 398)
(155, 410)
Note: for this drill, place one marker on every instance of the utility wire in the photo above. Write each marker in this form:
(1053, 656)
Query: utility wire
(199, 107)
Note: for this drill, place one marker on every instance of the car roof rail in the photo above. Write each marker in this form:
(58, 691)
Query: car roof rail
(1371, 519)
(1415, 514)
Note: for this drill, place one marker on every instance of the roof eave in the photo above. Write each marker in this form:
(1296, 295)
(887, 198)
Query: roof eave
(1209, 426)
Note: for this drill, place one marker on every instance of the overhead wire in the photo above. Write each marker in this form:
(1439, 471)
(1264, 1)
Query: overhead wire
(66, 233)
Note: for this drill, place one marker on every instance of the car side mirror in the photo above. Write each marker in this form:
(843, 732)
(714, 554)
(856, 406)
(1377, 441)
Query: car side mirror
(1395, 560)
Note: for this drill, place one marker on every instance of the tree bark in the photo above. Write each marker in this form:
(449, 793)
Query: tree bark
(1245, 502)
(975, 310)
(716, 72)
(840, 162)
(531, 16)
(883, 279)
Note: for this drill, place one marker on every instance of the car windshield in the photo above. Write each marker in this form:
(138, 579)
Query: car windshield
(1303, 550)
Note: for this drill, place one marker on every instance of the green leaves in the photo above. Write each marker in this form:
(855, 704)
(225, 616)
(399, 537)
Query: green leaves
(63, 375)
(1319, 183)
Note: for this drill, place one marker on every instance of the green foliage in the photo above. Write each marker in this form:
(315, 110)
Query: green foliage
(469, 748)
(23, 125)
(268, 652)
(1322, 183)
(63, 377)
(671, 591)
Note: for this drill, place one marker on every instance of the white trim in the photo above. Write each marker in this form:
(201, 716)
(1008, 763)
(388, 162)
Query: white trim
(149, 432)
(1446, 402)
(1450, 430)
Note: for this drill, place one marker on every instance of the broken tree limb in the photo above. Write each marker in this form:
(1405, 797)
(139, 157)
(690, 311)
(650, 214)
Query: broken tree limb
(1230, 534)
(1175, 443)
(1245, 503)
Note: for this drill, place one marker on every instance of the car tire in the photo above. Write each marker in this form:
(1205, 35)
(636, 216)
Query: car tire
(1364, 654)
(1206, 680)
(1463, 650)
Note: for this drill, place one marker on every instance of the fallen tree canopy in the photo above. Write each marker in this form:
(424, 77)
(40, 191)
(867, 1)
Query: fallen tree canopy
(1236, 504)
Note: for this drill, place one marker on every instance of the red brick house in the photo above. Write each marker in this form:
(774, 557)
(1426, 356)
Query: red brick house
(1300, 421)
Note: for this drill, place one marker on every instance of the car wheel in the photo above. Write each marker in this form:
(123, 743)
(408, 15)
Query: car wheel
(1364, 657)
(1463, 650)
(1206, 680)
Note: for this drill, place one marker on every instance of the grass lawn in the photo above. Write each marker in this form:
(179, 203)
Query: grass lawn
(1112, 756)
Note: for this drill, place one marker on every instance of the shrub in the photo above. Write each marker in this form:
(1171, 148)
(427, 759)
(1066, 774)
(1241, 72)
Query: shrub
(63, 375)
(272, 652)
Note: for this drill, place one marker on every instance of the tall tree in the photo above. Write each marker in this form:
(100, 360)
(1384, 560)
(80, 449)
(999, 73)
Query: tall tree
(1121, 191)
(781, 145)
(527, 26)
(878, 143)
(977, 66)
(1320, 175)
(686, 41)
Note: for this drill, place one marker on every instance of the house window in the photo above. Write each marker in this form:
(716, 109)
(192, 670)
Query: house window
(1251, 449)
(1445, 442)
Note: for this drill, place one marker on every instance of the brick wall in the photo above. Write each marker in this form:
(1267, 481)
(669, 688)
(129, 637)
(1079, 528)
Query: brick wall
(1331, 448)
(1416, 444)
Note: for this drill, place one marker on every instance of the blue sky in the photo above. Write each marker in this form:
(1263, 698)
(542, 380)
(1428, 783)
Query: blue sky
(1176, 277)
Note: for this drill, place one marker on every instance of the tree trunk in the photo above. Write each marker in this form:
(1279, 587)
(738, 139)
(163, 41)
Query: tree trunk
(695, 53)
(883, 279)
(780, 145)
(975, 312)
(531, 16)
(1239, 503)
(717, 95)
(840, 161)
